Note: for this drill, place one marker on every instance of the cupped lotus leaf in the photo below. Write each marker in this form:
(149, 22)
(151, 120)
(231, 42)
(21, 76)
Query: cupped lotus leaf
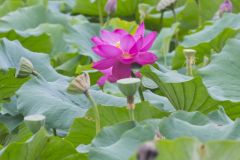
(184, 92)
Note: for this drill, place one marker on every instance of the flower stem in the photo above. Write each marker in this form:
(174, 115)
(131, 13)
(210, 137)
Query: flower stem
(131, 107)
(199, 13)
(175, 19)
(96, 112)
(189, 68)
(131, 114)
(161, 21)
(140, 91)
(100, 14)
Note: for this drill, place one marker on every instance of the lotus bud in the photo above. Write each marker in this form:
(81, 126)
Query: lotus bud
(111, 6)
(165, 4)
(226, 6)
(128, 86)
(80, 84)
(190, 59)
(147, 151)
(35, 122)
(25, 68)
(138, 74)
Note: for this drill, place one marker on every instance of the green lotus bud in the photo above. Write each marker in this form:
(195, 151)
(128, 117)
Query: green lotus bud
(35, 122)
(25, 68)
(128, 86)
(165, 4)
(80, 84)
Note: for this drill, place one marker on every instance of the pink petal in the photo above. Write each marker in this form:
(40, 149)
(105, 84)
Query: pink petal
(144, 58)
(148, 41)
(103, 64)
(137, 46)
(140, 31)
(121, 70)
(109, 51)
(96, 40)
(98, 52)
(109, 37)
(120, 32)
(127, 42)
(102, 80)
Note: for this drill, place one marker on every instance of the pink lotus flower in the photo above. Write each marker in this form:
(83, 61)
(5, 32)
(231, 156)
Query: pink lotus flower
(119, 50)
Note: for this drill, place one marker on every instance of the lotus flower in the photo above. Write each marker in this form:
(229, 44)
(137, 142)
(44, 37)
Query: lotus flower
(119, 50)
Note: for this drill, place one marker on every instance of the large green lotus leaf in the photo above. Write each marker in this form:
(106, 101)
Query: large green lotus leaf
(122, 140)
(25, 18)
(12, 5)
(221, 77)
(109, 116)
(189, 149)
(80, 38)
(211, 37)
(43, 34)
(184, 93)
(9, 84)
(124, 8)
(41, 146)
(59, 107)
(12, 51)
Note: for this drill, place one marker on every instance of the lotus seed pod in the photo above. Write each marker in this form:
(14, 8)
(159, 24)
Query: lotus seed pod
(165, 4)
(128, 86)
(111, 6)
(80, 84)
(189, 53)
(35, 122)
(25, 68)
(147, 151)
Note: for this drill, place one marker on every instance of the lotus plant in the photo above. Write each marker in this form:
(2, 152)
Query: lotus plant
(119, 51)
(81, 84)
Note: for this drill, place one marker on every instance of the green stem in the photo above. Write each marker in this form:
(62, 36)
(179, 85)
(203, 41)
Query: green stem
(131, 114)
(199, 13)
(97, 116)
(140, 91)
(189, 68)
(131, 107)
(175, 19)
(100, 14)
(54, 131)
(161, 20)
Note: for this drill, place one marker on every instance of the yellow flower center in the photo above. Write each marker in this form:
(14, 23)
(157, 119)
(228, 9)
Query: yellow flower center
(126, 55)
(118, 44)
